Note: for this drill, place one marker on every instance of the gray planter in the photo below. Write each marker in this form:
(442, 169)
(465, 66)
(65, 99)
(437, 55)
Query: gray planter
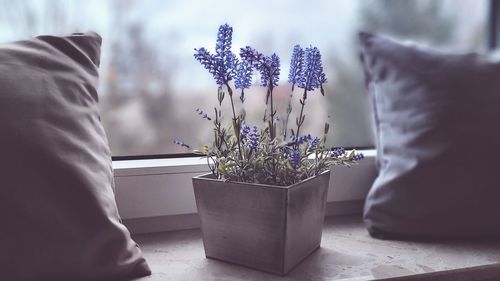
(270, 228)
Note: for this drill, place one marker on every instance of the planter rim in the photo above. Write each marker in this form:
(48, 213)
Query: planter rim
(208, 178)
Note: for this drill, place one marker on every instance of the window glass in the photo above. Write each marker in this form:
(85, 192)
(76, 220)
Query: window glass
(151, 85)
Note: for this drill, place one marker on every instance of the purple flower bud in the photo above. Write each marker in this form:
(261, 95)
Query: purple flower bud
(294, 158)
(358, 157)
(313, 143)
(300, 140)
(254, 139)
(203, 114)
(181, 143)
(245, 130)
(338, 151)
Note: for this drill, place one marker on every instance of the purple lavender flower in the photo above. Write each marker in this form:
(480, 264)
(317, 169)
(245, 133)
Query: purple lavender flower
(181, 143)
(357, 157)
(223, 50)
(243, 78)
(269, 67)
(338, 151)
(243, 75)
(300, 140)
(312, 76)
(245, 130)
(203, 114)
(296, 64)
(270, 71)
(208, 61)
(294, 158)
(224, 42)
(314, 143)
(252, 56)
(222, 64)
(254, 139)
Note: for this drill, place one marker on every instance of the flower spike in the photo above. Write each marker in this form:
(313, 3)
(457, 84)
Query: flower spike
(222, 64)
(243, 78)
(312, 76)
(296, 65)
(269, 67)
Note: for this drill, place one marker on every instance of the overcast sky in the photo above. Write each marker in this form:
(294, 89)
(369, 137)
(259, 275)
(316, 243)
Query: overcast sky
(178, 26)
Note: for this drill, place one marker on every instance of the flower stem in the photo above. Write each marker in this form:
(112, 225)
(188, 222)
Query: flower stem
(288, 111)
(301, 117)
(272, 130)
(235, 121)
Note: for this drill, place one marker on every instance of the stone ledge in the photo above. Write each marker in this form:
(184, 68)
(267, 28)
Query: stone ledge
(347, 253)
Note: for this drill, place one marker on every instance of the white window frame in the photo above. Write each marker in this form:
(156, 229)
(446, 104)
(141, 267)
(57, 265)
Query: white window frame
(157, 195)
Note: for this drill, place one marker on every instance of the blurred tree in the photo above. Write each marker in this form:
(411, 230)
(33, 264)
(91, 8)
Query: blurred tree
(416, 19)
(26, 19)
(349, 103)
(137, 79)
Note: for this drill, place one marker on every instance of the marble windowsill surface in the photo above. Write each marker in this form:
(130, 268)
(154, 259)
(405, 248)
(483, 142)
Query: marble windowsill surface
(347, 253)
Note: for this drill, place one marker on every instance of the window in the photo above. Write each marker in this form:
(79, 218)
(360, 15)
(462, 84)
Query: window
(151, 84)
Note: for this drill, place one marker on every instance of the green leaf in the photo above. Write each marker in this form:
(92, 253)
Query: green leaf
(351, 154)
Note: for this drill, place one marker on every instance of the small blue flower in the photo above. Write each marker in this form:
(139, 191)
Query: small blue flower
(338, 151)
(312, 76)
(358, 156)
(181, 143)
(294, 158)
(254, 139)
(296, 64)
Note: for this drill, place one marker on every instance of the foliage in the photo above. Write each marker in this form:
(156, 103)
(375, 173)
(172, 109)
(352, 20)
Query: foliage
(248, 154)
(423, 20)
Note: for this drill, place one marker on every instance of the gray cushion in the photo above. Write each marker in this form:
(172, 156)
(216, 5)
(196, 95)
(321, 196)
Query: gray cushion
(437, 121)
(59, 219)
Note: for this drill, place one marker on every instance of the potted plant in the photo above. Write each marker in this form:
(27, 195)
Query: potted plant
(263, 204)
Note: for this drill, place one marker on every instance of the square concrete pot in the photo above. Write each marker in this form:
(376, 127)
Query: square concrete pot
(269, 228)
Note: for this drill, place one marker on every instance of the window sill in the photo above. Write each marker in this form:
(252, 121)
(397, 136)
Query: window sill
(155, 166)
(347, 253)
(174, 165)
(156, 194)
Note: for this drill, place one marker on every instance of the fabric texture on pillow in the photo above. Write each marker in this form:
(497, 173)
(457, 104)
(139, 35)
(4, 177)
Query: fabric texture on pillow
(437, 120)
(58, 212)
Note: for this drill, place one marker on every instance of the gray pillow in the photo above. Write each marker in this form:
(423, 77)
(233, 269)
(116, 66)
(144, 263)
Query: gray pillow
(437, 126)
(59, 219)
